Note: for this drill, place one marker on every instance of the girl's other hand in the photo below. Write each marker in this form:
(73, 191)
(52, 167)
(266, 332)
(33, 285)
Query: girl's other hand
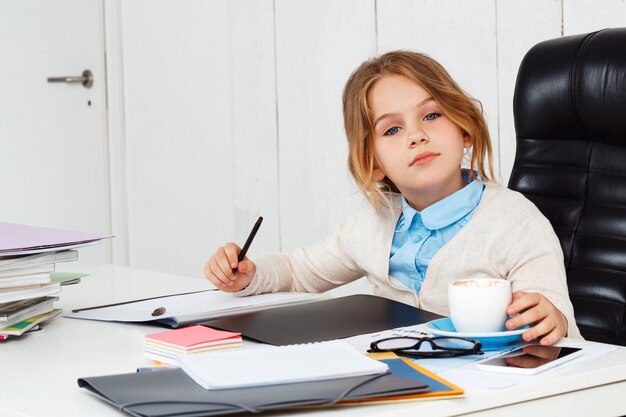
(549, 323)
(220, 269)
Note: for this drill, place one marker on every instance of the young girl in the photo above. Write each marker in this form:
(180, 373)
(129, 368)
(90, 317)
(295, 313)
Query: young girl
(428, 222)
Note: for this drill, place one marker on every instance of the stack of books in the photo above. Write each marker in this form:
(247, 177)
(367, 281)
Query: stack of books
(28, 287)
(165, 348)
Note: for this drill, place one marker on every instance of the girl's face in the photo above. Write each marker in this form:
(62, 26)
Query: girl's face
(415, 145)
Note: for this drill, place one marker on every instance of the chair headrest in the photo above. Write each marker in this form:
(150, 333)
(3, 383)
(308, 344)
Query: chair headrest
(574, 88)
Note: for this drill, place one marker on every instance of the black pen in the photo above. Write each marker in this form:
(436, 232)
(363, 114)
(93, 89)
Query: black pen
(249, 240)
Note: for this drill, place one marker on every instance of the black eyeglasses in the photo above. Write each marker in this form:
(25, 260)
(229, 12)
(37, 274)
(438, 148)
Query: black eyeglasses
(435, 347)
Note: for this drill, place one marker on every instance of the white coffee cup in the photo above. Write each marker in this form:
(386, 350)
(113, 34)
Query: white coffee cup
(479, 305)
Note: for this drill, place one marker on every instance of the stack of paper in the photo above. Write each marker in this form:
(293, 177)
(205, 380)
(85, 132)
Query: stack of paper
(28, 256)
(28, 325)
(273, 365)
(166, 347)
(17, 311)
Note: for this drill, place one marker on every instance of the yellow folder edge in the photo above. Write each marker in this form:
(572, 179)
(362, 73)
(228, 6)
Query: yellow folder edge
(454, 392)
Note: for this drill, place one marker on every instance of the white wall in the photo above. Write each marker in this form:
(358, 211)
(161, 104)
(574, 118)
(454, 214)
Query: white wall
(178, 131)
(233, 108)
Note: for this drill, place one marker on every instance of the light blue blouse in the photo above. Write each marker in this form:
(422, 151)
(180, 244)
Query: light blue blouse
(419, 235)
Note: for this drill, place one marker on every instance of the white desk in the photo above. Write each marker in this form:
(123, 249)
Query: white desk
(39, 372)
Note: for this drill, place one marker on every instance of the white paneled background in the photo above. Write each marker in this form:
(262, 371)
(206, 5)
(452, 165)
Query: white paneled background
(223, 110)
(178, 89)
(318, 44)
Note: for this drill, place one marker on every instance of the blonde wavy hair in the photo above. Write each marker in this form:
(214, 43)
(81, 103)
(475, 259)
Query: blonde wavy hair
(463, 110)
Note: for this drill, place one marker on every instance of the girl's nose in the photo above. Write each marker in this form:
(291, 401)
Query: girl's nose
(417, 138)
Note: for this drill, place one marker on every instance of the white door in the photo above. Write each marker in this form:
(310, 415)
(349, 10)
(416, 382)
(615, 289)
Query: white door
(53, 140)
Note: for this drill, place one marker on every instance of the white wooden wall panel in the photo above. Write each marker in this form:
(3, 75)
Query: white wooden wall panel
(583, 16)
(460, 34)
(116, 129)
(318, 45)
(254, 130)
(514, 40)
(179, 136)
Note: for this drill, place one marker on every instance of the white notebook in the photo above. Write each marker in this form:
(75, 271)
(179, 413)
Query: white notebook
(270, 365)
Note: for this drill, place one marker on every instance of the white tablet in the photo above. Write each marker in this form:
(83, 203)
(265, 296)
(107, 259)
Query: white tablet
(529, 359)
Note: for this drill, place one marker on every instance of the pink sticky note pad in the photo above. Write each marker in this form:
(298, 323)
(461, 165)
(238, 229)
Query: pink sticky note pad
(192, 335)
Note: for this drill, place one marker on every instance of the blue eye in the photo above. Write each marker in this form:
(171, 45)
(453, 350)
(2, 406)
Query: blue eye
(392, 131)
(432, 116)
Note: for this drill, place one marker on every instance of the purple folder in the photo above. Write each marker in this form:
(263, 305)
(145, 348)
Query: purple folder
(16, 239)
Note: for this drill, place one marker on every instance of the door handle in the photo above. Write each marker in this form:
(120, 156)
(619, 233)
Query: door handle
(86, 79)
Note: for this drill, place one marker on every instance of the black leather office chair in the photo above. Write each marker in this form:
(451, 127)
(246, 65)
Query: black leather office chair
(570, 122)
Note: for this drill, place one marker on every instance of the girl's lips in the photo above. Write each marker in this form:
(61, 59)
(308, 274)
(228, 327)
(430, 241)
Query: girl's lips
(423, 158)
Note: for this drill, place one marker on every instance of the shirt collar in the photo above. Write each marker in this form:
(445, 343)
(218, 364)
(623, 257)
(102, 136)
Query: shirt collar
(446, 211)
(408, 214)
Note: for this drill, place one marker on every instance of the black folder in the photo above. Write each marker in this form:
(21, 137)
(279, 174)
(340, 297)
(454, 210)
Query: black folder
(172, 393)
(318, 321)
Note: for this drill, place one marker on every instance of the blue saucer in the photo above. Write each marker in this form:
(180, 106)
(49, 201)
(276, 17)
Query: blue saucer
(490, 341)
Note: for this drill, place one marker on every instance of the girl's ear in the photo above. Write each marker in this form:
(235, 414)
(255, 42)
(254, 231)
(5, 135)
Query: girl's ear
(467, 140)
(378, 174)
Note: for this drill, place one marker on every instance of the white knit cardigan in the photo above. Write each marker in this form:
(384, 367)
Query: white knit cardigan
(507, 237)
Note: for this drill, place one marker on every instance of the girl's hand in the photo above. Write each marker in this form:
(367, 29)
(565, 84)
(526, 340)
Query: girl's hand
(220, 269)
(549, 323)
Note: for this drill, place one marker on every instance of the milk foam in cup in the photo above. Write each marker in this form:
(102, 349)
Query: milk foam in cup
(479, 305)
